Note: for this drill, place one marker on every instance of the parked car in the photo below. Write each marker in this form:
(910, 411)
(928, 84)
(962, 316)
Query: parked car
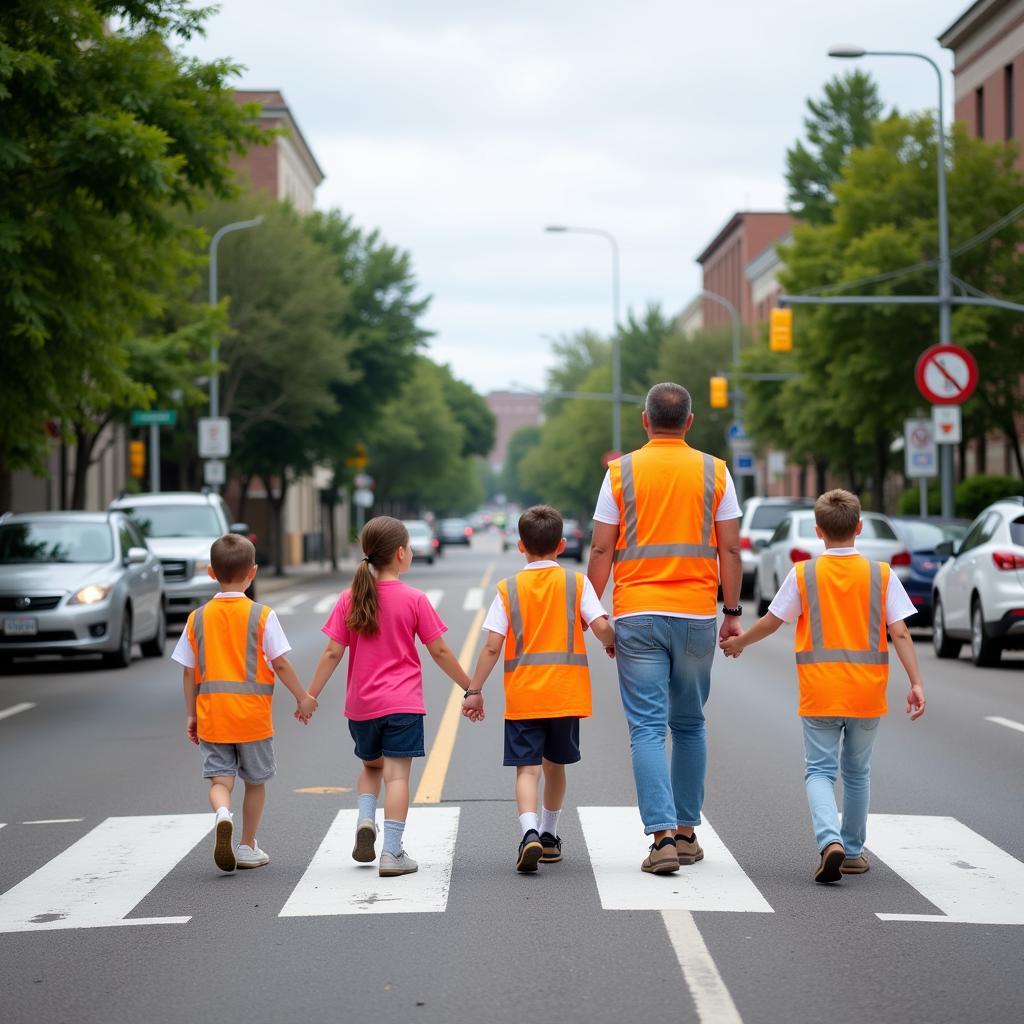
(922, 537)
(422, 540)
(574, 538)
(978, 594)
(455, 531)
(179, 528)
(79, 583)
(795, 540)
(510, 535)
(761, 517)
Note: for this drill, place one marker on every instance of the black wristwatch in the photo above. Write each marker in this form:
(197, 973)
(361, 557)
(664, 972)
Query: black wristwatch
(470, 693)
(737, 611)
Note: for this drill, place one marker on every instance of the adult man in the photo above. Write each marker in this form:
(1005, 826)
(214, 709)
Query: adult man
(668, 518)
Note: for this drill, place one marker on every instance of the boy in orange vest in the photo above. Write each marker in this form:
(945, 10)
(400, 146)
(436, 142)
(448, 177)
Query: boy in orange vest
(538, 618)
(230, 651)
(842, 660)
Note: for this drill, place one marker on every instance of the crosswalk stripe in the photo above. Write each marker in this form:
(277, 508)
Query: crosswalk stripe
(711, 998)
(101, 878)
(434, 597)
(474, 599)
(52, 821)
(1008, 722)
(16, 709)
(969, 879)
(325, 604)
(335, 884)
(617, 845)
(289, 604)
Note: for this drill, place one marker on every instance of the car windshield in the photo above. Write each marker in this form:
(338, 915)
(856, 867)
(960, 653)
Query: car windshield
(805, 528)
(767, 517)
(453, 524)
(55, 542)
(418, 531)
(877, 529)
(928, 536)
(176, 520)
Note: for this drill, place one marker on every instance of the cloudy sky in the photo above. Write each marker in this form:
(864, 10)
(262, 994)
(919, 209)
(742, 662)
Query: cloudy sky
(461, 127)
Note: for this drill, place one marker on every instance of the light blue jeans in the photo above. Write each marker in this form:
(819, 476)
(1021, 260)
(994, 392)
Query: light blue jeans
(824, 738)
(664, 668)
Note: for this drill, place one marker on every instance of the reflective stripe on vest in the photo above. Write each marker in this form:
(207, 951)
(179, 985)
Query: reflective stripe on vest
(633, 551)
(566, 657)
(252, 652)
(233, 686)
(819, 653)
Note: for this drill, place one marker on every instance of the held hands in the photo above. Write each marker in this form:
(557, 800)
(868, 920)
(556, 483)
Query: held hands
(609, 649)
(473, 707)
(915, 701)
(731, 626)
(732, 646)
(304, 709)
(192, 729)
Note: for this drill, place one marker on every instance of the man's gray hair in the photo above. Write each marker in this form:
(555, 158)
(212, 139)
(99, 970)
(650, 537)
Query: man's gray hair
(668, 406)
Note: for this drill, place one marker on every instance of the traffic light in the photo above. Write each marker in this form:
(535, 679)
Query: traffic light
(137, 459)
(780, 330)
(719, 393)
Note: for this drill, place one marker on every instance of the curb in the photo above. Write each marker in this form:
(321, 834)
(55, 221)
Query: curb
(272, 584)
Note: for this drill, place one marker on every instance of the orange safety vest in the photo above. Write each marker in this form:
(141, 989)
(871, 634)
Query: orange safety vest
(666, 555)
(234, 682)
(842, 655)
(546, 673)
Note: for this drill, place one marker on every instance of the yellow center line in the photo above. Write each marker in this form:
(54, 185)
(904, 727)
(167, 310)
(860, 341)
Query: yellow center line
(440, 756)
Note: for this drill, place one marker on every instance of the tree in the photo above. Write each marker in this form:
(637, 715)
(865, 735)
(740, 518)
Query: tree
(473, 413)
(105, 129)
(841, 121)
(520, 444)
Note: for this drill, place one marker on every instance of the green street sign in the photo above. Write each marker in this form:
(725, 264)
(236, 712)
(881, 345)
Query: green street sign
(157, 417)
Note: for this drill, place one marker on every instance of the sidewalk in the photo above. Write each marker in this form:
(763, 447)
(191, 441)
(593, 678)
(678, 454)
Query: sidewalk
(309, 572)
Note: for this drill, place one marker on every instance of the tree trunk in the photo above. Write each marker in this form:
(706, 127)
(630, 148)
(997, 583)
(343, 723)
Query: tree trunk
(243, 498)
(6, 481)
(802, 479)
(85, 442)
(1014, 442)
(820, 475)
(881, 469)
(277, 511)
(981, 452)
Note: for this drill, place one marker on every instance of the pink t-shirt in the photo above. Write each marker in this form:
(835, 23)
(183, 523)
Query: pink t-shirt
(384, 672)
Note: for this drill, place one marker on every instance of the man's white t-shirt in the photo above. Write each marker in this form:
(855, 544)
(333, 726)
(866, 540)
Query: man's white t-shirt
(787, 604)
(590, 604)
(275, 643)
(607, 511)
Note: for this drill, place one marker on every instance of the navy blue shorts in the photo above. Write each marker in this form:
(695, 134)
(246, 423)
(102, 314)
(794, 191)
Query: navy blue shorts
(390, 736)
(532, 740)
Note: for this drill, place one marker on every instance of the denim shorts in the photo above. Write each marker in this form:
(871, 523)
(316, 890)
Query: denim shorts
(389, 736)
(254, 761)
(533, 740)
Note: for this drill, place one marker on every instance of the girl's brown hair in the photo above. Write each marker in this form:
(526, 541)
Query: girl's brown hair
(380, 540)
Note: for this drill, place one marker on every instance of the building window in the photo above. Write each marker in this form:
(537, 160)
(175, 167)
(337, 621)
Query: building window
(1008, 104)
(979, 112)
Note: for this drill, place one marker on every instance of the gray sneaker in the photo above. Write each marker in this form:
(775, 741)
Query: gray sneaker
(396, 864)
(366, 837)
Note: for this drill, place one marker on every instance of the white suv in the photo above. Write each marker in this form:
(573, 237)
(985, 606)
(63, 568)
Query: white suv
(979, 592)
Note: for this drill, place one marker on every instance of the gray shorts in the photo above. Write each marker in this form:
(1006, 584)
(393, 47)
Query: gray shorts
(254, 762)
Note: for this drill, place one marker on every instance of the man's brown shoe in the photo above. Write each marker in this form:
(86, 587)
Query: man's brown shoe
(855, 865)
(830, 869)
(688, 850)
(662, 858)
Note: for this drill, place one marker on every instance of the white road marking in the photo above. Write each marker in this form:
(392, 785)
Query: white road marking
(52, 821)
(1008, 722)
(16, 709)
(617, 845)
(474, 599)
(326, 604)
(968, 878)
(710, 996)
(101, 878)
(434, 597)
(289, 604)
(335, 884)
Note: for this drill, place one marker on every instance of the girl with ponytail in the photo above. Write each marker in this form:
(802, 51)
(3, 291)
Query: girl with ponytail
(378, 620)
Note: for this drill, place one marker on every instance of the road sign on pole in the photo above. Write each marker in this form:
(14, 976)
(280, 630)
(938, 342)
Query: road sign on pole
(214, 473)
(948, 425)
(214, 437)
(921, 457)
(946, 374)
(154, 417)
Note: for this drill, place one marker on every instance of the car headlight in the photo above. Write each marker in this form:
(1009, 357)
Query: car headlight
(199, 568)
(92, 594)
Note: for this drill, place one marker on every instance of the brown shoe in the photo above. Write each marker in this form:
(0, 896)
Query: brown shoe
(662, 858)
(830, 869)
(855, 865)
(688, 850)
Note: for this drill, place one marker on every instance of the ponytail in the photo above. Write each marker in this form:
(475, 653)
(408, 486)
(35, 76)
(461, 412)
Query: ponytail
(381, 538)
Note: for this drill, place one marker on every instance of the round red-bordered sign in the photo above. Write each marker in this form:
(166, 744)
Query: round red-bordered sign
(946, 374)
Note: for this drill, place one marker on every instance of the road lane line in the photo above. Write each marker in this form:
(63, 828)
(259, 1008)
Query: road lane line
(97, 881)
(710, 996)
(52, 821)
(1008, 722)
(333, 883)
(325, 604)
(289, 604)
(474, 599)
(436, 769)
(434, 597)
(16, 709)
(969, 879)
(617, 846)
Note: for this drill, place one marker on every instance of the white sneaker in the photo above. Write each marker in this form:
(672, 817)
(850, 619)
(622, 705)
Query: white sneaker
(250, 856)
(366, 838)
(223, 828)
(392, 864)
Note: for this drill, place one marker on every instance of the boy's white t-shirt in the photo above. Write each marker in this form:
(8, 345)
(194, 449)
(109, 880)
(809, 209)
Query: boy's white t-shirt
(788, 606)
(275, 643)
(590, 604)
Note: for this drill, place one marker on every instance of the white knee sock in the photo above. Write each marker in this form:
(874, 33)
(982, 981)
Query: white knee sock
(549, 821)
(528, 821)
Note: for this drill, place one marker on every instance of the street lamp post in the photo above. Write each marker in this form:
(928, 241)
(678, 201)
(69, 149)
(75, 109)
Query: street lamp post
(734, 319)
(945, 279)
(616, 353)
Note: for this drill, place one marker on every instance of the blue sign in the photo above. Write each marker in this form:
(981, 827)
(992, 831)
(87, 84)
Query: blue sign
(736, 431)
(744, 465)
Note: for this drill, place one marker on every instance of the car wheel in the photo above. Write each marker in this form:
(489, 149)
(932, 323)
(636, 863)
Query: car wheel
(984, 650)
(154, 647)
(759, 599)
(945, 646)
(122, 657)
(430, 560)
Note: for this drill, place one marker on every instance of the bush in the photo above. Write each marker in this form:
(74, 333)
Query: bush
(978, 492)
(910, 501)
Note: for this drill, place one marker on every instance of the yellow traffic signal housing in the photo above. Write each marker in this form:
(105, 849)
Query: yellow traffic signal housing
(137, 459)
(780, 330)
(719, 393)
(359, 459)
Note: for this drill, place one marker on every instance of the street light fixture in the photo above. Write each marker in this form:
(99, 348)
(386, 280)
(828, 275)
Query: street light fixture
(844, 52)
(562, 229)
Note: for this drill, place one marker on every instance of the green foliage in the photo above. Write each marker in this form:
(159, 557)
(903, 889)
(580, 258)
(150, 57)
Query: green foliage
(976, 493)
(909, 503)
(473, 413)
(520, 444)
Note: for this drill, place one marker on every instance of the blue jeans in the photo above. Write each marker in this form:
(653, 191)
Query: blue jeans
(823, 739)
(664, 668)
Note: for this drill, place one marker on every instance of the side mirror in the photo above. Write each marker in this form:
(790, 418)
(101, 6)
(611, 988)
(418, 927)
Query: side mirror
(136, 556)
(242, 528)
(947, 549)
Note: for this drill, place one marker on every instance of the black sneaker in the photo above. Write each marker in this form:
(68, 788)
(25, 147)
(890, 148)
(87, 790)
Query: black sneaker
(530, 852)
(552, 848)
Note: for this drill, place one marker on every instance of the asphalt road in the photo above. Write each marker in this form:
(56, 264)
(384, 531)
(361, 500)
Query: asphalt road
(106, 824)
